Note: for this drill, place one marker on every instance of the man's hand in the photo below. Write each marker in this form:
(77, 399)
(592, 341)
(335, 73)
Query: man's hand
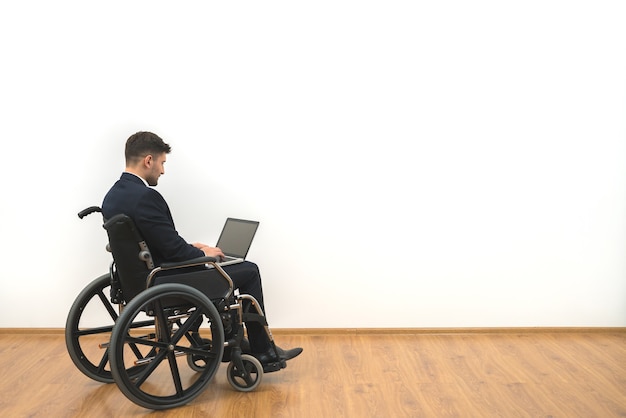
(209, 251)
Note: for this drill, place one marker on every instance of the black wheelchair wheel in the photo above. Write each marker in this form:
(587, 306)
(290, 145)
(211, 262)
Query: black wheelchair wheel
(88, 344)
(167, 380)
(245, 376)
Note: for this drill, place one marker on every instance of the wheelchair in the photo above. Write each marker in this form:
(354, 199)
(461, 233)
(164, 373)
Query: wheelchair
(161, 332)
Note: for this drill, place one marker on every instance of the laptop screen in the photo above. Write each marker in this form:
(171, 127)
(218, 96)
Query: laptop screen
(236, 237)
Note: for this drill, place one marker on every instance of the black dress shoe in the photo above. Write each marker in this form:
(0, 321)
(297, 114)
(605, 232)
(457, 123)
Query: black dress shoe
(288, 354)
(270, 361)
(272, 355)
(267, 357)
(273, 360)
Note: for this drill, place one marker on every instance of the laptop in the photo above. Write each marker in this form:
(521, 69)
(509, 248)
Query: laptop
(235, 240)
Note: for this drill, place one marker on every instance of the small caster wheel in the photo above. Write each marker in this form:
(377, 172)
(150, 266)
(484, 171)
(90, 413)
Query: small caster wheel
(249, 378)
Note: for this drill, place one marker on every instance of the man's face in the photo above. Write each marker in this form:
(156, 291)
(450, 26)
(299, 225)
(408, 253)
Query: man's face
(156, 167)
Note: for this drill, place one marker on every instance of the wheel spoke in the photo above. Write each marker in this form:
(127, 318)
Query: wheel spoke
(151, 367)
(107, 305)
(142, 341)
(186, 326)
(103, 361)
(162, 323)
(196, 352)
(175, 373)
(92, 331)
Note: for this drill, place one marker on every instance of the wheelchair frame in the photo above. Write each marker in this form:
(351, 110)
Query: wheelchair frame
(153, 346)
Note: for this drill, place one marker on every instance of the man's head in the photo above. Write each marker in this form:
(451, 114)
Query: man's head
(146, 155)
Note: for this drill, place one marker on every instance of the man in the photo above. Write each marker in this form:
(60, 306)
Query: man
(145, 163)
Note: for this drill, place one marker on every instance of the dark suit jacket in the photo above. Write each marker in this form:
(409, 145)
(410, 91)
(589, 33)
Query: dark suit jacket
(151, 214)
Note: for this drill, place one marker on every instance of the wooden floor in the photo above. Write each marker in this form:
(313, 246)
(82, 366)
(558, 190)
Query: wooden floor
(516, 374)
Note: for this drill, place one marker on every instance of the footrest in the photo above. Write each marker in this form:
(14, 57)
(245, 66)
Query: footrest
(274, 366)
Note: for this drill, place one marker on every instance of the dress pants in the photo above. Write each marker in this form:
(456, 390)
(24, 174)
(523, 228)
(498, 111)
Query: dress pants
(247, 278)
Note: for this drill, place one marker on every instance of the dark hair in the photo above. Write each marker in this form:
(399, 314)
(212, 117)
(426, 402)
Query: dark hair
(144, 143)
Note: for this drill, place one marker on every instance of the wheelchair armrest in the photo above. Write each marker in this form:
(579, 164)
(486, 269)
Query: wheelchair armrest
(189, 263)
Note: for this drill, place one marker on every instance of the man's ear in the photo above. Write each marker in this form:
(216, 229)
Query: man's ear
(147, 161)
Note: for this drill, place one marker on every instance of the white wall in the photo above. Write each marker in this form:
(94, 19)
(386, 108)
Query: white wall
(484, 141)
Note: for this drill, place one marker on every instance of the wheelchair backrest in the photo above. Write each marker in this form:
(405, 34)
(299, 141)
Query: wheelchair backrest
(131, 255)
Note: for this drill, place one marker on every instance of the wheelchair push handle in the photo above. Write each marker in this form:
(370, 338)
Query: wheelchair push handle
(88, 211)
